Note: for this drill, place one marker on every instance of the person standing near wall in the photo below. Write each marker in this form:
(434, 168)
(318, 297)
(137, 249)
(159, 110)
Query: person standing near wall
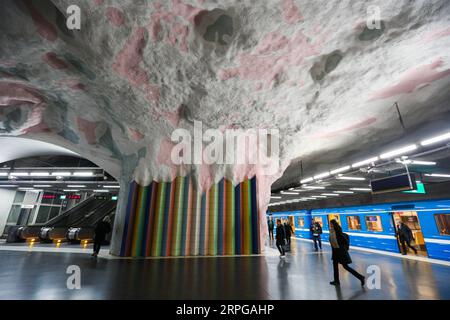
(271, 226)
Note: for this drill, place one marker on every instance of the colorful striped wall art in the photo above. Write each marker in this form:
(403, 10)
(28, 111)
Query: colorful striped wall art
(176, 219)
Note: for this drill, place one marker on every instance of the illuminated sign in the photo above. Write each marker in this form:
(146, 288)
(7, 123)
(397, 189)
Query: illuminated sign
(114, 198)
(62, 197)
(74, 196)
(48, 196)
(420, 189)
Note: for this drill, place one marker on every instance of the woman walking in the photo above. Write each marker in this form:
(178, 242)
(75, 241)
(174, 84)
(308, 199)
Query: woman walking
(339, 246)
(281, 238)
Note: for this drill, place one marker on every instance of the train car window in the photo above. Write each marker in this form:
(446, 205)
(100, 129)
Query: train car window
(373, 223)
(301, 222)
(443, 223)
(354, 223)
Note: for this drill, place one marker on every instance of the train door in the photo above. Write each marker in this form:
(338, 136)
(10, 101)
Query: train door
(335, 217)
(411, 219)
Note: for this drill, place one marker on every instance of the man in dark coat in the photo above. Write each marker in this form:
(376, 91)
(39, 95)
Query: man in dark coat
(339, 247)
(288, 231)
(270, 225)
(101, 230)
(280, 237)
(316, 231)
(405, 236)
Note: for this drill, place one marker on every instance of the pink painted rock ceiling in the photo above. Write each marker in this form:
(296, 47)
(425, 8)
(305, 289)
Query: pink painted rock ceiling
(116, 89)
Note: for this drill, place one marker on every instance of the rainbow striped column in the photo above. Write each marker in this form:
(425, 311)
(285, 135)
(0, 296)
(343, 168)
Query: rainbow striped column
(176, 219)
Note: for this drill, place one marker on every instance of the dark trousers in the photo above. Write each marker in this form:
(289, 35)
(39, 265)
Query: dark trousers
(97, 245)
(271, 234)
(280, 248)
(405, 243)
(346, 267)
(288, 240)
(317, 239)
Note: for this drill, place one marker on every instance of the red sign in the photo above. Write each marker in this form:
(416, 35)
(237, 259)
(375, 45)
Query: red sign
(48, 196)
(74, 196)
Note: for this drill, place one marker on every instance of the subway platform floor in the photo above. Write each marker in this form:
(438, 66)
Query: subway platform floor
(303, 274)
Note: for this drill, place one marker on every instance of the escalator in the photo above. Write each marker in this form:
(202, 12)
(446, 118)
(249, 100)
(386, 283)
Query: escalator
(56, 228)
(83, 230)
(34, 231)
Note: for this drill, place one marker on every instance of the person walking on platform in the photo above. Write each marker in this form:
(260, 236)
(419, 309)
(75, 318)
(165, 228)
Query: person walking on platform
(339, 245)
(101, 230)
(288, 231)
(316, 231)
(270, 225)
(405, 236)
(281, 238)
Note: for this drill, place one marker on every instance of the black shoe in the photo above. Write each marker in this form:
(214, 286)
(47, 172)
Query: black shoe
(363, 281)
(335, 283)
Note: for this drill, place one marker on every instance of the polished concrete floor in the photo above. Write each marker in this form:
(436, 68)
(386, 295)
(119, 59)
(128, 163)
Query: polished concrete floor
(304, 274)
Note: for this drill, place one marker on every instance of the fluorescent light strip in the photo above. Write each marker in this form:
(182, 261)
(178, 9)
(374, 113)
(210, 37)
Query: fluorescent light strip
(336, 171)
(275, 197)
(83, 173)
(26, 189)
(19, 174)
(4, 174)
(289, 193)
(313, 187)
(8, 185)
(307, 180)
(76, 186)
(344, 192)
(42, 186)
(71, 190)
(62, 173)
(361, 189)
(39, 174)
(399, 151)
(352, 178)
(440, 138)
(111, 187)
(322, 175)
(101, 190)
(318, 197)
(330, 194)
(423, 163)
(439, 175)
(364, 162)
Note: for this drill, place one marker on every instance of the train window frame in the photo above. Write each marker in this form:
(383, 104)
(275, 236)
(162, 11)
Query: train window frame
(378, 221)
(437, 224)
(359, 222)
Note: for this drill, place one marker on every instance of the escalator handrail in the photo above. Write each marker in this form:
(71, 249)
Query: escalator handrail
(82, 204)
(105, 209)
(82, 216)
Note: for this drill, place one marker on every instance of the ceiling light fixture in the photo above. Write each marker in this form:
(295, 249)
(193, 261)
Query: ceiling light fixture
(440, 138)
(71, 190)
(364, 162)
(101, 190)
(4, 174)
(39, 174)
(344, 192)
(351, 178)
(289, 193)
(76, 186)
(19, 174)
(439, 175)
(61, 173)
(361, 189)
(313, 187)
(322, 175)
(343, 169)
(83, 173)
(398, 151)
(8, 185)
(117, 187)
(330, 194)
(42, 186)
(275, 197)
(307, 180)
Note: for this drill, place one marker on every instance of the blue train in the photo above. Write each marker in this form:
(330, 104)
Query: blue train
(374, 226)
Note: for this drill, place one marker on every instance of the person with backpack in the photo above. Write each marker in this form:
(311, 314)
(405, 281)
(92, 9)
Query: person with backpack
(316, 231)
(281, 238)
(340, 244)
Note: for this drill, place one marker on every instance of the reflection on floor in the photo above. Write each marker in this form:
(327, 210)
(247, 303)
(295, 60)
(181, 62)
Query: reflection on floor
(304, 274)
